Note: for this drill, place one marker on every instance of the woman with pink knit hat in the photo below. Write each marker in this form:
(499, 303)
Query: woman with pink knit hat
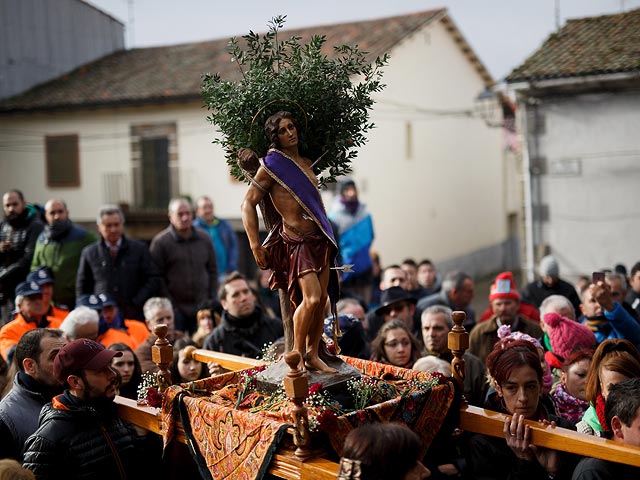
(562, 336)
(570, 346)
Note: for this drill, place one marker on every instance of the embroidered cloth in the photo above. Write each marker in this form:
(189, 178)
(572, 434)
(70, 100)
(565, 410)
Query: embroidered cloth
(229, 442)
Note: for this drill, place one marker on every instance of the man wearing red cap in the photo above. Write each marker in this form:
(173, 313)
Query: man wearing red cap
(80, 433)
(505, 303)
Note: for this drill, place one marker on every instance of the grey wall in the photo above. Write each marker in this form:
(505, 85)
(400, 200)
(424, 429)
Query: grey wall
(42, 39)
(589, 151)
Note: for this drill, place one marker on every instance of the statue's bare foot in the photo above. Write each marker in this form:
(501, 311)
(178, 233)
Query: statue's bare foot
(314, 363)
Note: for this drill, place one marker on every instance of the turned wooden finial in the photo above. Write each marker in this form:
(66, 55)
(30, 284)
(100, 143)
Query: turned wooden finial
(458, 344)
(162, 356)
(188, 352)
(296, 386)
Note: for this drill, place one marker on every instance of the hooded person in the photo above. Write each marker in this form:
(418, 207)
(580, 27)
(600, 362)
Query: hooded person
(355, 232)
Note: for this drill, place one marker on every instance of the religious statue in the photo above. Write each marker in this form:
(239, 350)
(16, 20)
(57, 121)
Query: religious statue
(300, 248)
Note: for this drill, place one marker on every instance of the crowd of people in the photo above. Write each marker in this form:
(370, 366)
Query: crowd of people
(79, 309)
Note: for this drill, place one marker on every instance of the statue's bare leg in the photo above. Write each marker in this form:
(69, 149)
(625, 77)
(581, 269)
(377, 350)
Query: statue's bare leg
(308, 319)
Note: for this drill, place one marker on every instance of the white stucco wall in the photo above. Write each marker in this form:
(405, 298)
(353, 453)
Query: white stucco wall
(105, 148)
(447, 200)
(592, 148)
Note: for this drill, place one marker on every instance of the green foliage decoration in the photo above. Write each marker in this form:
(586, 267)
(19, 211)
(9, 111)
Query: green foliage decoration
(330, 98)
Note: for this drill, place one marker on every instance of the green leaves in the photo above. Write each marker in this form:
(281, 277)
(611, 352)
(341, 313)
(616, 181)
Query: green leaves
(335, 93)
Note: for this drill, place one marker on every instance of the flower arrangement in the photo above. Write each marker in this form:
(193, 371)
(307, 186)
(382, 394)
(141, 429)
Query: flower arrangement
(269, 353)
(148, 391)
(248, 382)
(362, 390)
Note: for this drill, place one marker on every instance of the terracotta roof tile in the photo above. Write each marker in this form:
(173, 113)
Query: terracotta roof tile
(586, 46)
(173, 73)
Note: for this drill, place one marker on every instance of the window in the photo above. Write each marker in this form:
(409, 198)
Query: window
(154, 165)
(63, 161)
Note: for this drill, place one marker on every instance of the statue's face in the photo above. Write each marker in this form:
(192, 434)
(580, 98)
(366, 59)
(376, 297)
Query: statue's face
(287, 133)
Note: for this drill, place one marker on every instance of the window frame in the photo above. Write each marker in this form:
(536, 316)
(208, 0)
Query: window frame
(74, 152)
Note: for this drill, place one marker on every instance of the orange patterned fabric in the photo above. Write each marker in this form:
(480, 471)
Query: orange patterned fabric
(234, 443)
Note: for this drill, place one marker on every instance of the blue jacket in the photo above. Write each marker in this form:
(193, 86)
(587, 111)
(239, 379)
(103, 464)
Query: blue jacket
(226, 245)
(620, 325)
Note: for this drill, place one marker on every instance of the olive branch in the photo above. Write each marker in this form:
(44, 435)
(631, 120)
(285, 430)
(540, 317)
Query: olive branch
(334, 91)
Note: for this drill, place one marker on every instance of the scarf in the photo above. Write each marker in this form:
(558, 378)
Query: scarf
(245, 326)
(350, 206)
(600, 412)
(568, 406)
(58, 229)
(598, 324)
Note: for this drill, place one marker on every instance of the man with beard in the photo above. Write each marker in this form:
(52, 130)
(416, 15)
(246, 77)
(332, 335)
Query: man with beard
(33, 386)
(59, 247)
(18, 234)
(80, 433)
(605, 317)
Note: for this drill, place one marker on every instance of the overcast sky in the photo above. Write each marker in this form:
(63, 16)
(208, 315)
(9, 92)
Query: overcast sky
(502, 32)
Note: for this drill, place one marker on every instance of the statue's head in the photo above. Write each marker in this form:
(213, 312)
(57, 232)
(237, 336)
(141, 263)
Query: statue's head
(272, 125)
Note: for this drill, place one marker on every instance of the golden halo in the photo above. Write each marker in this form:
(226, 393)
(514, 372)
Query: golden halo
(271, 102)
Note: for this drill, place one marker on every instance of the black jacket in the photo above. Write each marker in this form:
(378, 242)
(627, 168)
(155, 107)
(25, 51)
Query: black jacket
(17, 244)
(132, 278)
(188, 268)
(77, 440)
(19, 411)
(244, 337)
(491, 458)
(537, 291)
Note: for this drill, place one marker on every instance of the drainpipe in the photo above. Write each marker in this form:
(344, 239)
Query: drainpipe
(528, 207)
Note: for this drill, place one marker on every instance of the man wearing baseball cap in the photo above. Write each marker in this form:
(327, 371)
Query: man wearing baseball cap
(505, 303)
(80, 433)
(31, 315)
(43, 276)
(112, 327)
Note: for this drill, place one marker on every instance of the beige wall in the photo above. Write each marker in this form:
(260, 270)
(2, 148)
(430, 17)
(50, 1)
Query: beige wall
(447, 199)
(105, 150)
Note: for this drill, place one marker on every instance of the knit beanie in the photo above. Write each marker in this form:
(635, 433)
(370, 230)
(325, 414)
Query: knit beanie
(504, 286)
(565, 336)
(548, 267)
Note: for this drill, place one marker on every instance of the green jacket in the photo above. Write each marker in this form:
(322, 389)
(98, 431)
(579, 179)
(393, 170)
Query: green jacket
(590, 417)
(62, 256)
